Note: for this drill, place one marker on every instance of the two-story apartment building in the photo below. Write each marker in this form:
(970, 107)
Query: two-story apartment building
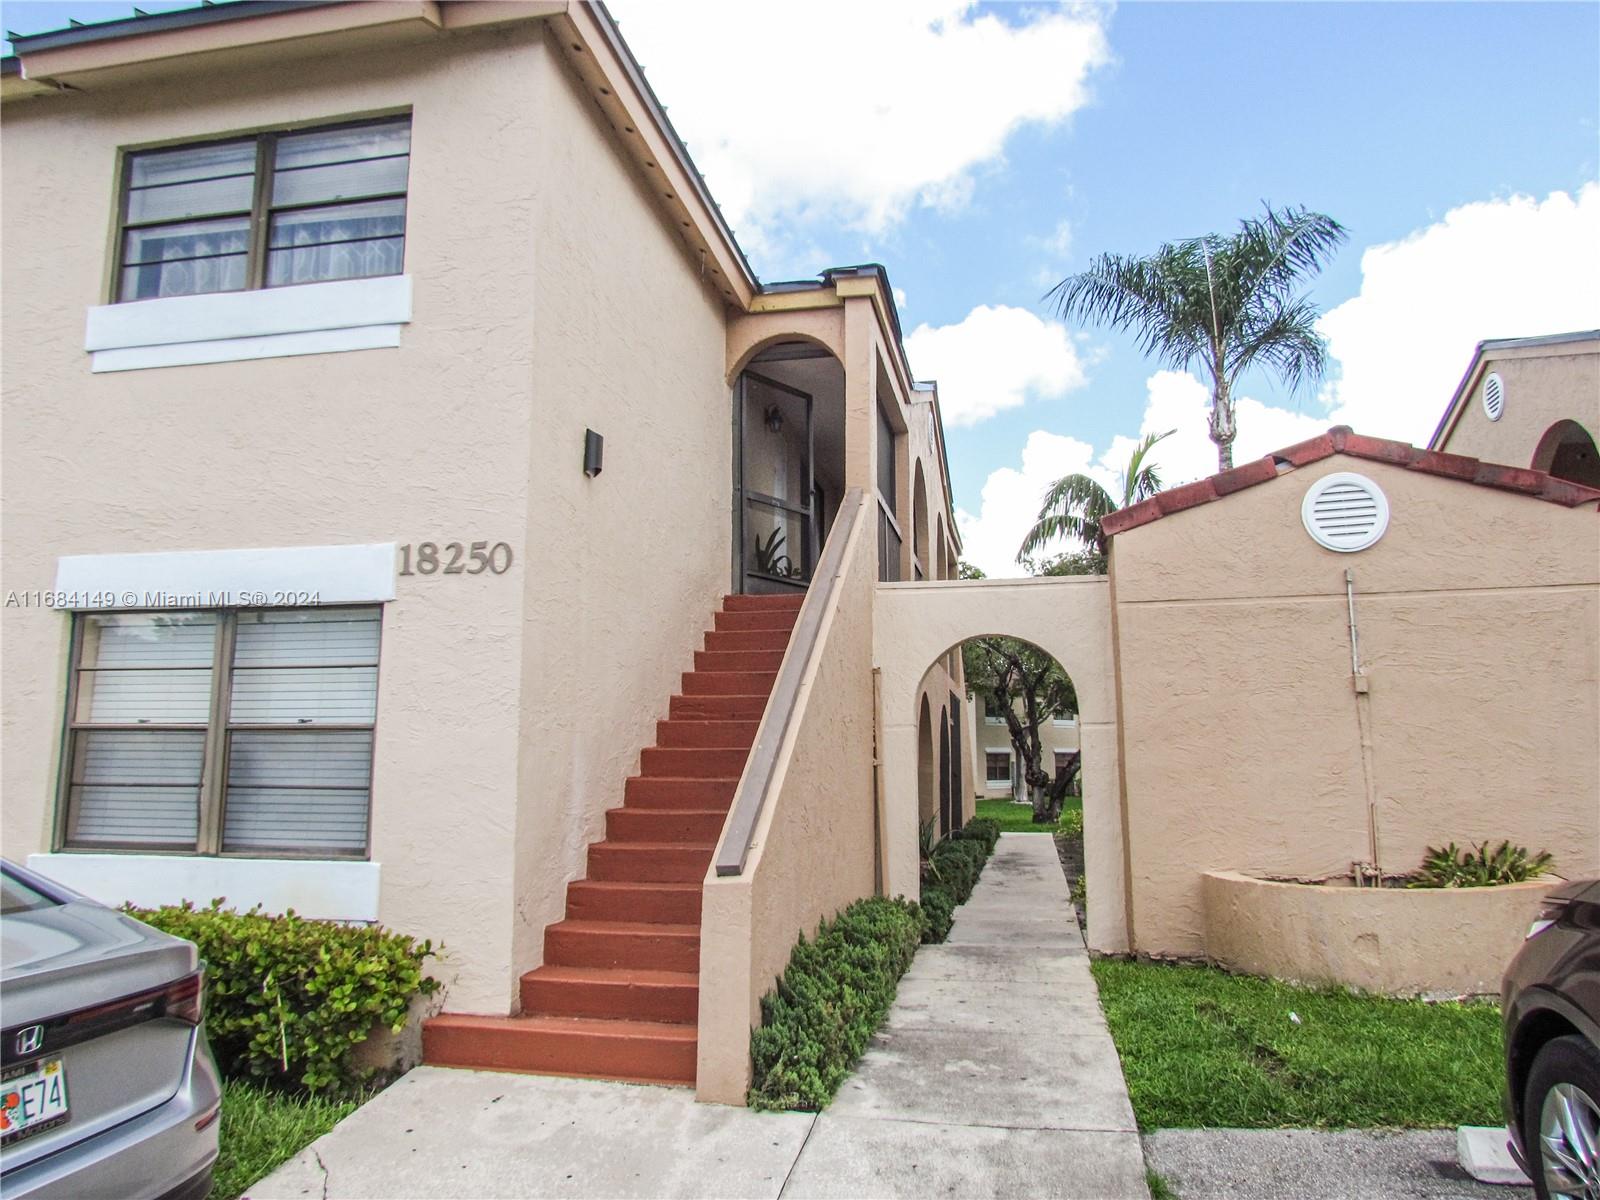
(997, 772)
(410, 492)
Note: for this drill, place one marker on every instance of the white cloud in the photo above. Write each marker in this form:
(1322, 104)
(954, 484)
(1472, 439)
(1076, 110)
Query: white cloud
(1515, 267)
(854, 112)
(1177, 400)
(1011, 501)
(994, 359)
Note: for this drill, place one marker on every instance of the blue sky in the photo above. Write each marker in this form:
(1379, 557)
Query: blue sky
(982, 151)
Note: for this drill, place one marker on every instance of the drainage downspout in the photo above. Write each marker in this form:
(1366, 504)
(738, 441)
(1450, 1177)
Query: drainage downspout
(1363, 695)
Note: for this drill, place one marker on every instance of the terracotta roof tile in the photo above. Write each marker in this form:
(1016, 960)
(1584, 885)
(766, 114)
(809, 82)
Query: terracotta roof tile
(1341, 439)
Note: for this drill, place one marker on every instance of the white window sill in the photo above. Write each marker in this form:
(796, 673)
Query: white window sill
(313, 318)
(324, 889)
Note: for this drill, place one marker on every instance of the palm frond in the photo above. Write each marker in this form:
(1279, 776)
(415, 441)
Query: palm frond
(1072, 508)
(1142, 480)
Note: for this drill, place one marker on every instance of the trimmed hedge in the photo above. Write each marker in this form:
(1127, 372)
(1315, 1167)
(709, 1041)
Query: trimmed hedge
(952, 872)
(829, 1002)
(289, 999)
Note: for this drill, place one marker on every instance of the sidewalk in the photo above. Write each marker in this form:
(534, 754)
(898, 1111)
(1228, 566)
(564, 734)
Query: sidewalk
(994, 1076)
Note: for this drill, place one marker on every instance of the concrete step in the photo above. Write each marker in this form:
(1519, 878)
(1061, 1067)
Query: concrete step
(728, 683)
(649, 862)
(787, 602)
(693, 762)
(691, 826)
(669, 996)
(747, 639)
(718, 735)
(661, 792)
(612, 900)
(633, 1051)
(738, 660)
(717, 708)
(636, 945)
(747, 619)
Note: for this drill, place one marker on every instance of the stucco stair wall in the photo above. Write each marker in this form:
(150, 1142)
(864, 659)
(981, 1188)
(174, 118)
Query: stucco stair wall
(618, 994)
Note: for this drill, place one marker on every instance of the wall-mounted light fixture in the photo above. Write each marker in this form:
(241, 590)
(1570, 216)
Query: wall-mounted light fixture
(594, 452)
(774, 419)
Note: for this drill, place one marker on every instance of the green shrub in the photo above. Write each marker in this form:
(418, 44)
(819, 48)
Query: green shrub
(289, 999)
(957, 863)
(829, 1002)
(938, 905)
(981, 829)
(1451, 867)
(1071, 822)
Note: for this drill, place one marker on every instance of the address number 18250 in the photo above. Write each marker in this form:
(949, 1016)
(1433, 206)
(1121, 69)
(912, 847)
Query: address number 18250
(455, 558)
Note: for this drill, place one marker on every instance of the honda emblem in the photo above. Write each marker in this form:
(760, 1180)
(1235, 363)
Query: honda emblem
(30, 1040)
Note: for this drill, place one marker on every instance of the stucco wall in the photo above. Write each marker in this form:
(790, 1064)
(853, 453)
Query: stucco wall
(1398, 941)
(1479, 626)
(1543, 385)
(814, 847)
(626, 569)
(1070, 618)
(548, 297)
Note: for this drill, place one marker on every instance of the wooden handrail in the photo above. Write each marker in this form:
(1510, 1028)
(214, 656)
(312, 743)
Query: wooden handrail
(751, 798)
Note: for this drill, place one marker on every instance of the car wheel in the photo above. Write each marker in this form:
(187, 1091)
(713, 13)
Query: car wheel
(1561, 1120)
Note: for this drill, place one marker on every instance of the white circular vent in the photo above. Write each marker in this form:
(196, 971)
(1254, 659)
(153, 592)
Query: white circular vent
(1345, 512)
(1494, 397)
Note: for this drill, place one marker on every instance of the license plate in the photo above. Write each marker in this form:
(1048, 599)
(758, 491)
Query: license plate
(33, 1098)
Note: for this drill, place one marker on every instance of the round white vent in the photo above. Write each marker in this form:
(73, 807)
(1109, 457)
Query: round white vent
(1345, 512)
(1494, 397)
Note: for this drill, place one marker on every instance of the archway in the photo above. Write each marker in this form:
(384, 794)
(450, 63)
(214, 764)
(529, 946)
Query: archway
(942, 551)
(1568, 452)
(921, 557)
(788, 463)
(945, 799)
(926, 803)
(1068, 618)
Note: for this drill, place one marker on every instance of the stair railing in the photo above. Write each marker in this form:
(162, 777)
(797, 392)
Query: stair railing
(751, 799)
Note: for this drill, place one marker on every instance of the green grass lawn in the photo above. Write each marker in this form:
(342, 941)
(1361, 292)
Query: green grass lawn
(1018, 818)
(261, 1129)
(1201, 1047)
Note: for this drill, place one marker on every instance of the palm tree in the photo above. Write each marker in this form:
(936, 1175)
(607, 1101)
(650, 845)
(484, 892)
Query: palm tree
(1226, 302)
(1075, 504)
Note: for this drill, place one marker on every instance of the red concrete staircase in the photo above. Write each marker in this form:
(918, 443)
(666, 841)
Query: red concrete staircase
(618, 994)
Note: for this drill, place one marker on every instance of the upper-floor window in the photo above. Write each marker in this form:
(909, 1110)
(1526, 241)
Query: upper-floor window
(245, 732)
(994, 712)
(265, 211)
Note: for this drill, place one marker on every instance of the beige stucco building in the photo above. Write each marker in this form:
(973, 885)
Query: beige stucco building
(320, 592)
(1529, 402)
(417, 517)
(997, 775)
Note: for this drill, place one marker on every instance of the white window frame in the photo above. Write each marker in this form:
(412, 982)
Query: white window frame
(1011, 757)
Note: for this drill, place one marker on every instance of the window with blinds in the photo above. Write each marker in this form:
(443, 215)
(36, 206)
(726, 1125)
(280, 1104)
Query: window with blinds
(265, 211)
(223, 732)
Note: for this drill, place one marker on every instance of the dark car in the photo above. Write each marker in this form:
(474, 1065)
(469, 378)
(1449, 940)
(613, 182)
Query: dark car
(107, 1087)
(1551, 1007)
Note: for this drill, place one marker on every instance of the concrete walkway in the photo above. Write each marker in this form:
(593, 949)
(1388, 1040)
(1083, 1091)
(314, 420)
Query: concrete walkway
(994, 1076)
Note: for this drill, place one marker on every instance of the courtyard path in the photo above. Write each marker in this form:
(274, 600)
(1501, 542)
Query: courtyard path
(994, 1076)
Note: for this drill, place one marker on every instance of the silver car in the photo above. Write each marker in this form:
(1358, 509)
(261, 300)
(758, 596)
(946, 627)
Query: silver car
(107, 1086)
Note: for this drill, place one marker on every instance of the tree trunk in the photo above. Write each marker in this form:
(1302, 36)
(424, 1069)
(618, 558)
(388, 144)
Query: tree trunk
(1222, 426)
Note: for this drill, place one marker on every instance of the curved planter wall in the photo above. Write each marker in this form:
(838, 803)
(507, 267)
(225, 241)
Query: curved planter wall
(1436, 941)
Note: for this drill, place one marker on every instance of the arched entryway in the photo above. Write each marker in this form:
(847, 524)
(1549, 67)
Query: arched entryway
(1069, 618)
(1567, 451)
(927, 783)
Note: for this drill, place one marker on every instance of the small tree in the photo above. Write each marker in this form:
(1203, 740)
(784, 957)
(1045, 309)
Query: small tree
(1008, 671)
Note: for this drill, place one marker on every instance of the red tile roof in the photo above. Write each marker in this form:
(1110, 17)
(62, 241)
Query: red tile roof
(1342, 440)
